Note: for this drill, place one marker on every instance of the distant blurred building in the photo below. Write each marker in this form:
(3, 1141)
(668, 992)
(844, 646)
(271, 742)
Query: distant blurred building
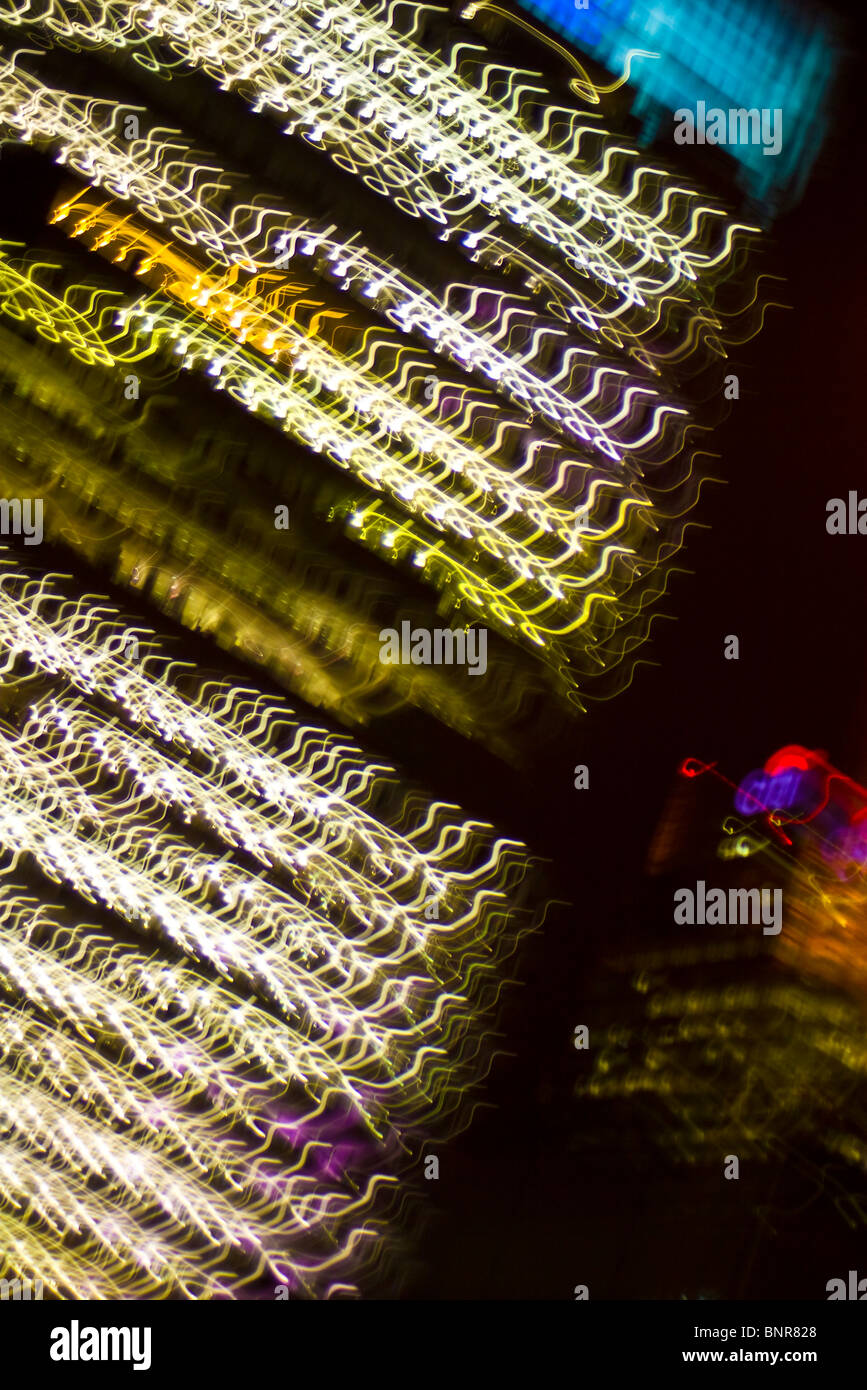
(731, 1042)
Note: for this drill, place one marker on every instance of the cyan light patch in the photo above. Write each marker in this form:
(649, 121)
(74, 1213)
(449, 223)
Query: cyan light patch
(741, 54)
